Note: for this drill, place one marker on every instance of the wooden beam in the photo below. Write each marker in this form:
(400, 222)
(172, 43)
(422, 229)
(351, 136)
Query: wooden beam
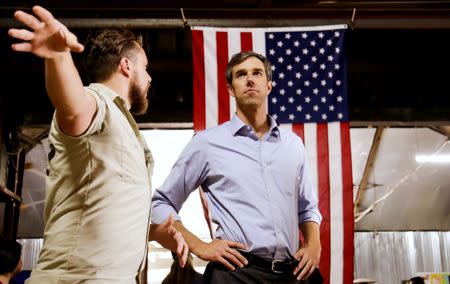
(368, 168)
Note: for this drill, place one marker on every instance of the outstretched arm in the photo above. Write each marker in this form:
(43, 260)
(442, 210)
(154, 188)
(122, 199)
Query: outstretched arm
(51, 40)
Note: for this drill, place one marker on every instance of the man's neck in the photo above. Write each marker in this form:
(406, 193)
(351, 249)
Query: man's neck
(257, 119)
(121, 87)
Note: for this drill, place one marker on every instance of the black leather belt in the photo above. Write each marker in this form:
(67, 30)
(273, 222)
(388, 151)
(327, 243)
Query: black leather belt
(275, 266)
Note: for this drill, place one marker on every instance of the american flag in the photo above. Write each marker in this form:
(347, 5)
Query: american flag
(309, 96)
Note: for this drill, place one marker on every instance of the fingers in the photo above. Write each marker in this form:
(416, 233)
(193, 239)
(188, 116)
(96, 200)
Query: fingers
(306, 271)
(182, 249)
(43, 14)
(236, 257)
(21, 34)
(28, 19)
(225, 263)
(72, 42)
(236, 245)
(21, 47)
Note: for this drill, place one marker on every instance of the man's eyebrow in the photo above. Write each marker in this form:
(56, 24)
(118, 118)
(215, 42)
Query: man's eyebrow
(245, 70)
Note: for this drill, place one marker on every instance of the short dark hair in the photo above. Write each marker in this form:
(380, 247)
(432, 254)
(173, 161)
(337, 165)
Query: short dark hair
(104, 50)
(10, 253)
(240, 57)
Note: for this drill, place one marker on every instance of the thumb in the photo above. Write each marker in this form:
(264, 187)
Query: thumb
(169, 222)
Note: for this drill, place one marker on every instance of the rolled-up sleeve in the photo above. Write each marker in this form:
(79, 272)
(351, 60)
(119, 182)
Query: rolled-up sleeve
(186, 175)
(307, 200)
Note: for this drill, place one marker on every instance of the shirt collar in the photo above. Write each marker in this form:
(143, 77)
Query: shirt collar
(238, 127)
(104, 90)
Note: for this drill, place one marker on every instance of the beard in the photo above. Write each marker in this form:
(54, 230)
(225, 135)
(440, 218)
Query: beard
(138, 98)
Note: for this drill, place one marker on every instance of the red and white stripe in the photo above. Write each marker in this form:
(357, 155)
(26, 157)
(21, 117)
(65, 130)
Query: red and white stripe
(327, 144)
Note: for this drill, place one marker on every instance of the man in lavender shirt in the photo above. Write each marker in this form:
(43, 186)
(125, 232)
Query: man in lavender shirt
(257, 186)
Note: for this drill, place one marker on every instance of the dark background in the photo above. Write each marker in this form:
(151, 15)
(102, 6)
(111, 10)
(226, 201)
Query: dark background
(398, 53)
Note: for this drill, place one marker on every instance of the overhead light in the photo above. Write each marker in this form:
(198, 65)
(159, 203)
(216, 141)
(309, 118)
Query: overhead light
(441, 159)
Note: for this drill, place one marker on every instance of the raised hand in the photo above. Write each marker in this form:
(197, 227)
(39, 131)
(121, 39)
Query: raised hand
(48, 37)
(224, 252)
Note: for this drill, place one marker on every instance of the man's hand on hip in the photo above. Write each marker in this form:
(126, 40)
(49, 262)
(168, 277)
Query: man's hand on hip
(224, 252)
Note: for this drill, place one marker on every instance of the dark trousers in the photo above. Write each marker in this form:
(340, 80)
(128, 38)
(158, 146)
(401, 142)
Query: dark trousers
(216, 273)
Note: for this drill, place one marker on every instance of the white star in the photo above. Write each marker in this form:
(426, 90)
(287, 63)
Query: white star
(280, 59)
(271, 36)
(282, 92)
(296, 43)
(298, 75)
(321, 51)
(297, 59)
(323, 82)
(288, 51)
(283, 108)
(324, 116)
(274, 83)
(340, 116)
(329, 42)
(304, 35)
(338, 82)
(313, 59)
(290, 83)
(273, 67)
(305, 51)
(337, 66)
(289, 67)
(307, 100)
(291, 100)
(274, 100)
(330, 91)
(330, 74)
(337, 34)
(288, 36)
(307, 83)
(313, 43)
(323, 100)
(305, 67)
(308, 116)
(316, 91)
(272, 52)
(330, 58)
(322, 66)
(280, 44)
(298, 92)
(331, 108)
(281, 75)
(275, 116)
(299, 108)
(291, 117)
(314, 75)
(337, 50)
(321, 35)
(340, 99)
(316, 108)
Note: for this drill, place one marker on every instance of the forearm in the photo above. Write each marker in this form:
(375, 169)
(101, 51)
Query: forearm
(311, 234)
(192, 240)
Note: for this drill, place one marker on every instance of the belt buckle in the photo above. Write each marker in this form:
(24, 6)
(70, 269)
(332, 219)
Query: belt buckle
(274, 262)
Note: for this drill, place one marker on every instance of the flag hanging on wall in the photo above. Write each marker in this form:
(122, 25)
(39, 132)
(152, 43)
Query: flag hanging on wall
(309, 95)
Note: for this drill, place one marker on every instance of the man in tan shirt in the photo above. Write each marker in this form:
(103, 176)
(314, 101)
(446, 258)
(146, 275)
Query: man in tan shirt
(98, 177)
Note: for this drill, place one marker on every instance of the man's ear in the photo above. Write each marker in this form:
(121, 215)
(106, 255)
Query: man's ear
(230, 90)
(125, 66)
(269, 86)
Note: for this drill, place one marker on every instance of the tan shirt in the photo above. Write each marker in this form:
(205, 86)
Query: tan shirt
(97, 201)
